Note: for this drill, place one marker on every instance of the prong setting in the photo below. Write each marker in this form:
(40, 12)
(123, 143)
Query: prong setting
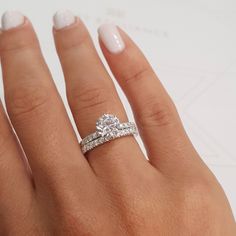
(108, 127)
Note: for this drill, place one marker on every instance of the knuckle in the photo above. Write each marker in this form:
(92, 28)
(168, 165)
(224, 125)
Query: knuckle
(198, 196)
(88, 98)
(5, 141)
(77, 223)
(17, 40)
(138, 74)
(27, 100)
(197, 205)
(5, 135)
(157, 113)
(82, 219)
(134, 207)
(17, 47)
(73, 41)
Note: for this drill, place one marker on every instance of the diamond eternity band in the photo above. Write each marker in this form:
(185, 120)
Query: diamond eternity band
(108, 127)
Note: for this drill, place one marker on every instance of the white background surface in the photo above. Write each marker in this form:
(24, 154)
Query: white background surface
(191, 45)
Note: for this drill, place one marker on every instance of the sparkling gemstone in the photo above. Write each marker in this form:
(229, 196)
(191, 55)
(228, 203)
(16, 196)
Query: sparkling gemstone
(108, 126)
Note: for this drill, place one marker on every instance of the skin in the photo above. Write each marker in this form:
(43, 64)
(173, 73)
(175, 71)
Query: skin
(48, 187)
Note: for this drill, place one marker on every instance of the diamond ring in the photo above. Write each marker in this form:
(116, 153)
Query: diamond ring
(108, 127)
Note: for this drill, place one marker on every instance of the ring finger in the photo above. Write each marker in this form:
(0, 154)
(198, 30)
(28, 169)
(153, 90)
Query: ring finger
(91, 93)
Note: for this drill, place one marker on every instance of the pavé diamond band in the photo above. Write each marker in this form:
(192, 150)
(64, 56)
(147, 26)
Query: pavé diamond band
(108, 127)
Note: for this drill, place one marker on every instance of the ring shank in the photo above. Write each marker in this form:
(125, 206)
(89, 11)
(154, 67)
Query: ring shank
(96, 135)
(95, 139)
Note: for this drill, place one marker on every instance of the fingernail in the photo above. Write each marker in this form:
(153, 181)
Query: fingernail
(111, 38)
(12, 19)
(63, 18)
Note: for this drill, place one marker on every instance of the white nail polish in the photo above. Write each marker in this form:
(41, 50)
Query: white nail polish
(12, 19)
(63, 18)
(111, 38)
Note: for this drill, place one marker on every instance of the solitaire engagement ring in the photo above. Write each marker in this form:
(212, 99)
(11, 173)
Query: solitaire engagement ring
(108, 127)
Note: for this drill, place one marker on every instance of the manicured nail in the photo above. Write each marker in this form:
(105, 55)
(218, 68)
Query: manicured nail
(63, 19)
(111, 38)
(12, 19)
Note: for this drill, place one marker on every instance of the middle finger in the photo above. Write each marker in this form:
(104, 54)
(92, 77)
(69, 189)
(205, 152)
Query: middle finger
(35, 108)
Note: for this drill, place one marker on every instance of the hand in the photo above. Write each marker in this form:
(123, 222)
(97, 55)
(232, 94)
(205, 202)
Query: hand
(48, 187)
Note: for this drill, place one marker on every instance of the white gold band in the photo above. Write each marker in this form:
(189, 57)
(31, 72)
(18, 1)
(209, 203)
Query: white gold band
(108, 128)
(101, 140)
(96, 134)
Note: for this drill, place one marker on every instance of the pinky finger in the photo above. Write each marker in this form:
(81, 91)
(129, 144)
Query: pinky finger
(159, 123)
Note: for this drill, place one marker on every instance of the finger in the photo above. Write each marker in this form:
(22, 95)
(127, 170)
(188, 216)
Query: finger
(15, 182)
(91, 93)
(35, 108)
(156, 116)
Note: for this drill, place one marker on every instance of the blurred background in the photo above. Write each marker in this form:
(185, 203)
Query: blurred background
(192, 47)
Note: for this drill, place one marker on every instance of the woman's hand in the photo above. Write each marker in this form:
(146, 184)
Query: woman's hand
(48, 187)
